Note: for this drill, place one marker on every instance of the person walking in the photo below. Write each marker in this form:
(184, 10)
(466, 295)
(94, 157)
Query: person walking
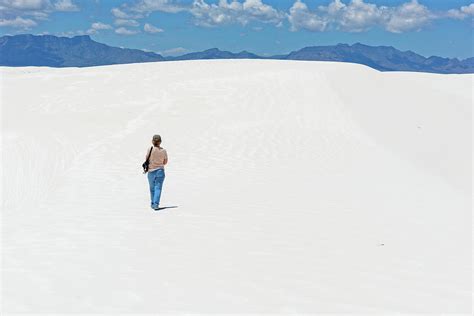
(158, 158)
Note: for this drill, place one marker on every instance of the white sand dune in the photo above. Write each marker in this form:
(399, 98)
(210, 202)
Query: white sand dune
(299, 186)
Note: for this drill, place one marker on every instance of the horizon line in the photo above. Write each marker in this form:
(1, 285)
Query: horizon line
(244, 50)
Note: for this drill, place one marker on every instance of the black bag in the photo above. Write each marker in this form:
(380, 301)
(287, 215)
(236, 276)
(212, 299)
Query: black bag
(147, 162)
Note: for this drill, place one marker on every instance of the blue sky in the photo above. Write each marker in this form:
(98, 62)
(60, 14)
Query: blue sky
(173, 27)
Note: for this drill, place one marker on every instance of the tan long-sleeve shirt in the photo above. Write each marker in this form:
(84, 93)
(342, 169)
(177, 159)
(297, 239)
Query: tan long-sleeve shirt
(158, 158)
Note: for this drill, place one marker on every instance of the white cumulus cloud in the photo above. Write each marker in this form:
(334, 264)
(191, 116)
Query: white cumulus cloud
(100, 26)
(125, 31)
(65, 5)
(206, 14)
(225, 12)
(462, 13)
(148, 6)
(126, 22)
(118, 13)
(359, 16)
(25, 4)
(343, 15)
(26, 14)
(97, 26)
(408, 16)
(18, 22)
(142, 8)
(151, 29)
(300, 17)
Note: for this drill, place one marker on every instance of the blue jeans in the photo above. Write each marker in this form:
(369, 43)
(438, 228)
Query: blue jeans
(155, 179)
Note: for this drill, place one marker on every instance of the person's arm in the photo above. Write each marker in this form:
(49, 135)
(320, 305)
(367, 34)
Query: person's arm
(165, 161)
(147, 152)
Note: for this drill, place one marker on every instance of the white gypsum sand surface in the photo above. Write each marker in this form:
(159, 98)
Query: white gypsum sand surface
(300, 186)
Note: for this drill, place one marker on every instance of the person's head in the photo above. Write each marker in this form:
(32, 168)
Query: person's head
(156, 140)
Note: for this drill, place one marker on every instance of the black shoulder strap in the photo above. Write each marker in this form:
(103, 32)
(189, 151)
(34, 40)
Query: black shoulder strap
(147, 158)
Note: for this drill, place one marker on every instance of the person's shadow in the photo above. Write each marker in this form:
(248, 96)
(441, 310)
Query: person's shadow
(165, 207)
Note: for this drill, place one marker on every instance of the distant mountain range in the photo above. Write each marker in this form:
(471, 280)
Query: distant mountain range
(82, 51)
